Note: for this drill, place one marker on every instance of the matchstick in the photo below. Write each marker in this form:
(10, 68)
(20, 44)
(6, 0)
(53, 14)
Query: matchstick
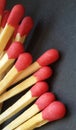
(49, 57)
(23, 61)
(24, 29)
(42, 102)
(10, 56)
(2, 7)
(55, 111)
(36, 91)
(14, 18)
(42, 74)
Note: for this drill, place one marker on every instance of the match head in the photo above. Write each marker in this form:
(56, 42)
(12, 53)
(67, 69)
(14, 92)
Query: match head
(39, 88)
(54, 111)
(25, 26)
(15, 50)
(2, 6)
(44, 100)
(16, 15)
(5, 17)
(23, 61)
(43, 73)
(48, 57)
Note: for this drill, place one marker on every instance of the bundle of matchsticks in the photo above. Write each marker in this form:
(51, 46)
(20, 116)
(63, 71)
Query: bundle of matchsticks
(17, 65)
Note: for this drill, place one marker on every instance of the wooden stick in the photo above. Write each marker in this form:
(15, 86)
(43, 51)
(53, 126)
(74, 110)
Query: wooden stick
(23, 61)
(54, 111)
(40, 75)
(14, 18)
(47, 58)
(24, 29)
(36, 91)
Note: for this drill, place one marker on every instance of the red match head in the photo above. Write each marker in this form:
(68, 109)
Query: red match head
(25, 26)
(44, 100)
(16, 15)
(5, 17)
(2, 6)
(54, 111)
(23, 61)
(15, 50)
(43, 73)
(39, 88)
(48, 57)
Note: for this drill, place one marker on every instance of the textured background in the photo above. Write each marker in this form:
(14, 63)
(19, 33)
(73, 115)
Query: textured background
(55, 27)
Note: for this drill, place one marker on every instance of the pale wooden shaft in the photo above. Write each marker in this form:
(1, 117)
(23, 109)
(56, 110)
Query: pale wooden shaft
(28, 71)
(7, 80)
(31, 123)
(23, 117)
(19, 38)
(17, 106)
(5, 36)
(5, 63)
(18, 88)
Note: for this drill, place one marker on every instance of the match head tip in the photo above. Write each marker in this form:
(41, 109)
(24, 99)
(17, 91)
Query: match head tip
(44, 100)
(5, 17)
(48, 57)
(15, 50)
(54, 111)
(16, 15)
(2, 6)
(43, 73)
(39, 88)
(25, 26)
(23, 61)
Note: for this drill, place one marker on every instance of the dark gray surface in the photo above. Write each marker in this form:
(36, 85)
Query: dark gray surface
(55, 27)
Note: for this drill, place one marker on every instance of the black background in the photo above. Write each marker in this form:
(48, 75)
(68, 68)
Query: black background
(54, 27)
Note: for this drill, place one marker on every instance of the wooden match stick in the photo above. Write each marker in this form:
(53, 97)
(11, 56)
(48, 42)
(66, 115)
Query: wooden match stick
(37, 90)
(11, 55)
(24, 29)
(55, 111)
(4, 19)
(49, 57)
(14, 18)
(2, 7)
(42, 74)
(23, 61)
(42, 102)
